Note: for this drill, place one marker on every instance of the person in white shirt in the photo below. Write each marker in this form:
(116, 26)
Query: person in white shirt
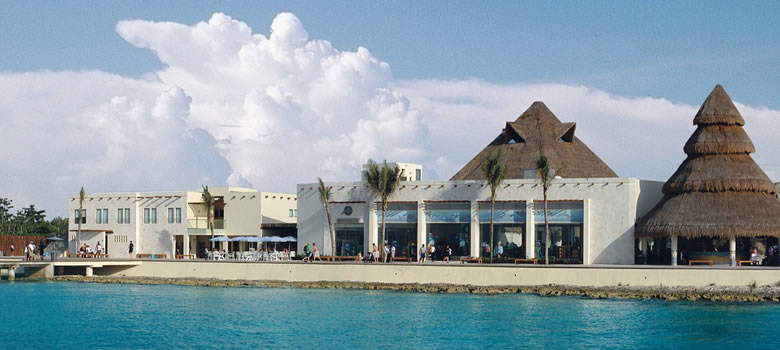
(99, 248)
(392, 252)
(386, 250)
(31, 251)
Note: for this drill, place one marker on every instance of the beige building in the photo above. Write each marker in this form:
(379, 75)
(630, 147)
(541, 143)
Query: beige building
(174, 223)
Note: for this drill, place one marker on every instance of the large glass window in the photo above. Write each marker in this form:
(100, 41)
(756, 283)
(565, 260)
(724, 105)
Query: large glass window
(178, 215)
(98, 216)
(120, 218)
(82, 216)
(127, 215)
(170, 215)
(105, 216)
(508, 229)
(401, 220)
(349, 239)
(565, 222)
(154, 215)
(448, 225)
(147, 216)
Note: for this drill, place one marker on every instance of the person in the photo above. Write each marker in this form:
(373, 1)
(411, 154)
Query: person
(307, 253)
(386, 251)
(41, 248)
(500, 249)
(392, 252)
(130, 249)
(486, 249)
(447, 253)
(431, 250)
(422, 253)
(684, 256)
(375, 253)
(26, 252)
(31, 248)
(99, 248)
(316, 252)
(360, 257)
(754, 256)
(12, 249)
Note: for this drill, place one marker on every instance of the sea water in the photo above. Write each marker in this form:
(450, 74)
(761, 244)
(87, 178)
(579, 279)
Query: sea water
(59, 315)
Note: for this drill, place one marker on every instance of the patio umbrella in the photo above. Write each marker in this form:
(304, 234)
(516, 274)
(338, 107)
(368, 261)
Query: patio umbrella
(219, 239)
(289, 239)
(54, 238)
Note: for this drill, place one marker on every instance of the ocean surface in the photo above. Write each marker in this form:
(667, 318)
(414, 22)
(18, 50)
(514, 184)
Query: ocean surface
(58, 315)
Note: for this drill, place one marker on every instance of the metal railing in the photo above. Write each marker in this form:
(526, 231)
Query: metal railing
(219, 224)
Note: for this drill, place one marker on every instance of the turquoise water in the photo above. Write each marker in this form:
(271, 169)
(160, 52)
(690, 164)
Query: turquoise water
(108, 316)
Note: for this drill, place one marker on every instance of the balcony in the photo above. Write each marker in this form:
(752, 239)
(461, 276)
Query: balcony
(200, 225)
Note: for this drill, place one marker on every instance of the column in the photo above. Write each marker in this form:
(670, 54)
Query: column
(372, 227)
(422, 227)
(185, 243)
(11, 273)
(476, 235)
(88, 271)
(586, 253)
(733, 251)
(674, 250)
(530, 231)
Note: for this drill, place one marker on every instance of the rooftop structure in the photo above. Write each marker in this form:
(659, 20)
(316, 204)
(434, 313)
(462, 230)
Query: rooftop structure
(409, 171)
(537, 131)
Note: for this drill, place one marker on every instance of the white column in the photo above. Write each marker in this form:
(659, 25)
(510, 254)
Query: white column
(674, 250)
(476, 235)
(185, 243)
(422, 227)
(11, 273)
(88, 271)
(372, 226)
(586, 253)
(733, 251)
(530, 231)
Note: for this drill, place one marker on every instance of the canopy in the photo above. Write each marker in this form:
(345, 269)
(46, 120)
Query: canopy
(220, 239)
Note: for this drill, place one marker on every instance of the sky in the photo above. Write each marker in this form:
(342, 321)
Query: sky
(147, 95)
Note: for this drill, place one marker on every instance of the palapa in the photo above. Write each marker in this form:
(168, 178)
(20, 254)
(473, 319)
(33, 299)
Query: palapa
(537, 131)
(719, 190)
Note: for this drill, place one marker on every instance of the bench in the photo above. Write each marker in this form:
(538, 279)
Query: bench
(185, 256)
(708, 262)
(533, 261)
(746, 262)
(398, 258)
(151, 256)
(464, 260)
(340, 258)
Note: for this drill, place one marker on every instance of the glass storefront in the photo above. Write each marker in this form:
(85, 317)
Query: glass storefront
(401, 219)
(349, 239)
(508, 230)
(565, 222)
(448, 225)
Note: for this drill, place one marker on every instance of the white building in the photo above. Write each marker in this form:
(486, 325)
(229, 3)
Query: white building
(162, 222)
(409, 171)
(591, 211)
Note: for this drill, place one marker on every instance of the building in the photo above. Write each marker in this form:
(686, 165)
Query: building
(174, 223)
(718, 205)
(591, 210)
(409, 171)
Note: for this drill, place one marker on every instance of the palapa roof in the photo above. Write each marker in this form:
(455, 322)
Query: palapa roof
(539, 130)
(718, 191)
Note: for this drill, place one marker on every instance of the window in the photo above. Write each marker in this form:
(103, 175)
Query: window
(98, 216)
(105, 215)
(120, 218)
(295, 213)
(83, 216)
(127, 215)
(178, 215)
(291, 213)
(146, 215)
(170, 215)
(418, 174)
(154, 215)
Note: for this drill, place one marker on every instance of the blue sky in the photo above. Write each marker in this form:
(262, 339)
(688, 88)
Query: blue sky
(153, 95)
(671, 49)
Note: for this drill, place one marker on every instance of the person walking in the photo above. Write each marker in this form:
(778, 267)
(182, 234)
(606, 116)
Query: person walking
(130, 249)
(31, 248)
(12, 249)
(374, 252)
(422, 254)
(386, 251)
(316, 252)
(392, 252)
(447, 253)
(307, 253)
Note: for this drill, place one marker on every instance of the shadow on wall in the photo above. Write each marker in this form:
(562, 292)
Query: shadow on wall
(164, 244)
(619, 251)
(649, 195)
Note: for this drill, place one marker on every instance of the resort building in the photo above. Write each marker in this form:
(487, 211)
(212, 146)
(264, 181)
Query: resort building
(719, 206)
(591, 211)
(175, 223)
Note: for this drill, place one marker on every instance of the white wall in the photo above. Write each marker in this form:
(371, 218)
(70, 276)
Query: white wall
(612, 205)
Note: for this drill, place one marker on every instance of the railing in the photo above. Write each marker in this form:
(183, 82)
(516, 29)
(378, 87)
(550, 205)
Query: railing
(219, 224)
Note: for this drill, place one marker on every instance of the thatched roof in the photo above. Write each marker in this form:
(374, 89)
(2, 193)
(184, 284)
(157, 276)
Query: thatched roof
(718, 191)
(539, 130)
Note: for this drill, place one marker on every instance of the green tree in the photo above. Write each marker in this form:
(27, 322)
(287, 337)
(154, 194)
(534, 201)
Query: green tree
(495, 172)
(31, 221)
(325, 197)
(5, 215)
(382, 181)
(546, 176)
(59, 227)
(208, 201)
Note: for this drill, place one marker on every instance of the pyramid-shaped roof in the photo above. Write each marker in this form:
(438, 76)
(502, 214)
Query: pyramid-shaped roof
(539, 130)
(719, 190)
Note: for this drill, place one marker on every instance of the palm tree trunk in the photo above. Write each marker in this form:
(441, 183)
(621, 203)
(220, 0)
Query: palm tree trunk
(78, 234)
(332, 230)
(210, 227)
(382, 236)
(492, 211)
(546, 232)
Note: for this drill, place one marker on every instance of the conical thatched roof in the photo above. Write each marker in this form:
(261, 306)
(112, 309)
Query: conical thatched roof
(538, 130)
(718, 191)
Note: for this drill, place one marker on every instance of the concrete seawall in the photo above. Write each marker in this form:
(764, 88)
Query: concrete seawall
(454, 274)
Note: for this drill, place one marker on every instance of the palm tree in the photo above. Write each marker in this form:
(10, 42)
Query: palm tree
(79, 217)
(208, 200)
(325, 197)
(383, 181)
(495, 171)
(546, 176)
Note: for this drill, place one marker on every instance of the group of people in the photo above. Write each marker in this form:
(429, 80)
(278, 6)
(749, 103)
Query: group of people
(430, 253)
(29, 250)
(311, 252)
(86, 249)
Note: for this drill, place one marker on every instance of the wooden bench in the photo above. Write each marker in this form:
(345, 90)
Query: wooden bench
(533, 261)
(464, 260)
(708, 262)
(151, 256)
(339, 258)
(746, 262)
(185, 256)
(398, 258)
